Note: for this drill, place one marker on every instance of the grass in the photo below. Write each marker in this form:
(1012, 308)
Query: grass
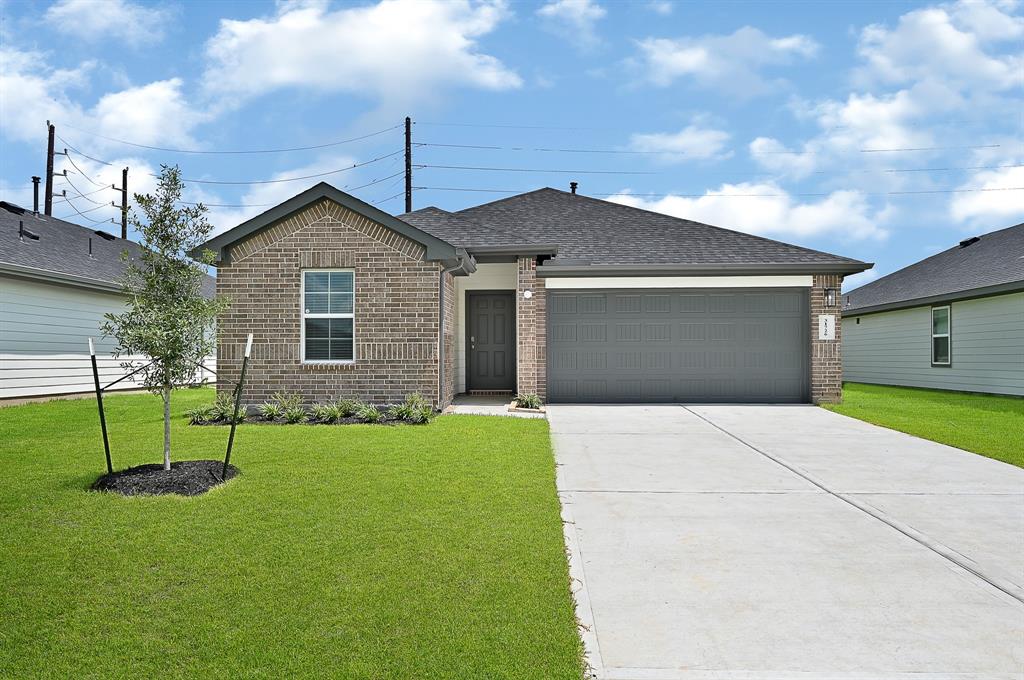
(987, 424)
(357, 551)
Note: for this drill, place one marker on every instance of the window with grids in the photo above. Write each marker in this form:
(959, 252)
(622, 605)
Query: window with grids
(328, 315)
(940, 336)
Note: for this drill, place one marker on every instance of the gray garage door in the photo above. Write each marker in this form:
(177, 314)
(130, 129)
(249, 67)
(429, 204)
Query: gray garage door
(687, 345)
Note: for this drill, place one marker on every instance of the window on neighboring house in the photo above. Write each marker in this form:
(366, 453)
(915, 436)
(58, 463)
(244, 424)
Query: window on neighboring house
(941, 350)
(328, 315)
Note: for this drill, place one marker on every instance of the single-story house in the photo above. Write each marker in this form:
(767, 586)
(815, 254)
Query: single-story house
(546, 292)
(57, 280)
(953, 321)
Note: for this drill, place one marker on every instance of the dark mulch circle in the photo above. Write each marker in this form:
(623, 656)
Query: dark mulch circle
(186, 478)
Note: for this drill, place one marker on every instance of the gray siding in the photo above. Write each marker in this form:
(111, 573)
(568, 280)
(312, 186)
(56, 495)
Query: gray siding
(44, 331)
(893, 348)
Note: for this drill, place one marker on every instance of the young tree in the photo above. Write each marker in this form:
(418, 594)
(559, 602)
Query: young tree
(167, 319)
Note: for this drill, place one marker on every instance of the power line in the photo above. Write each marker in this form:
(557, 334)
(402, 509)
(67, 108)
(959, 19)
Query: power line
(549, 151)
(491, 147)
(391, 198)
(573, 172)
(261, 181)
(82, 172)
(86, 196)
(237, 151)
(265, 205)
(83, 214)
(757, 195)
(293, 179)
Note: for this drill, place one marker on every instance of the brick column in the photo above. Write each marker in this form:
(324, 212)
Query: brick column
(531, 330)
(826, 355)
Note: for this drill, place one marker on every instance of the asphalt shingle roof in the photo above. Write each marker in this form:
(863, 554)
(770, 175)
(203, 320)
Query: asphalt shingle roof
(994, 259)
(460, 231)
(596, 232)
(63, 248)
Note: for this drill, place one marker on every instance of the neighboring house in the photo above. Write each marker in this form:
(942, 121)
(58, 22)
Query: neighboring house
(547, 292)
(953, 321)
(57, 280)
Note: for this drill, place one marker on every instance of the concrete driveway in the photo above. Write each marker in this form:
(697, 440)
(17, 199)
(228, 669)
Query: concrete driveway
(756, 542)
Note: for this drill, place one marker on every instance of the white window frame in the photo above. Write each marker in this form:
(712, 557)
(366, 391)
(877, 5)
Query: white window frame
(948, 335)
(303, 316)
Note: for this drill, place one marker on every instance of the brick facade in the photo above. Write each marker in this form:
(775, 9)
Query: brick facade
(826, 355)
(450, 322)
(531, 330)
(396, 315)
(396, 309)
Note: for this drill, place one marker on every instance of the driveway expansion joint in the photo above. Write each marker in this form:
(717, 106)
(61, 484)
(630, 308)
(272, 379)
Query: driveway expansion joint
(997, 582)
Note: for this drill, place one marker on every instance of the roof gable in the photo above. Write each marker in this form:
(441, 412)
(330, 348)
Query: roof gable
(991, 261)
(436, 248)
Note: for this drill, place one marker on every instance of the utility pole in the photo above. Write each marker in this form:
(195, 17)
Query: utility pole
(408, 163)
(124, 202)
(48, 198)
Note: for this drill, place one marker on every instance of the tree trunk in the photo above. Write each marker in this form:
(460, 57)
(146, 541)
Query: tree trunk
(167, 427)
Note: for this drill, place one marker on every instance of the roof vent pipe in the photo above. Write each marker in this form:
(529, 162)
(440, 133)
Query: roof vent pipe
(35, 193)
(24, 233)
(572, 187)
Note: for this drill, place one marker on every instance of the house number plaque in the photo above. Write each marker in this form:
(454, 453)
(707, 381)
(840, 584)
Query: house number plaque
(826, 327)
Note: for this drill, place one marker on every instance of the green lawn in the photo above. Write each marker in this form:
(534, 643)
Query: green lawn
(983, 423)
(355, 551)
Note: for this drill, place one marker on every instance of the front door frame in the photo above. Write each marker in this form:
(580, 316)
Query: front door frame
(515, 336)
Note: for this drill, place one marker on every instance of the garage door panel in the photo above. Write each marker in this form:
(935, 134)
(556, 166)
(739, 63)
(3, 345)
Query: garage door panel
(678, 345)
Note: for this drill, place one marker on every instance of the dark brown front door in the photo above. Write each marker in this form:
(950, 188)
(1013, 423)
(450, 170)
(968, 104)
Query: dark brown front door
(491, 340)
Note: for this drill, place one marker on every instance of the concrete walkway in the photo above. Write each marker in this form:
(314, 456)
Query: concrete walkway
(757, 542)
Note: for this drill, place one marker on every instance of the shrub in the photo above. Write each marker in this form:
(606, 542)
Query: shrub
(415, 409)
(200, 415)
(528, 401)
(287, 400)
(270, 410)
(368, 413)
(325, 413)
(223, 409)
(295, 415)
(347, 407)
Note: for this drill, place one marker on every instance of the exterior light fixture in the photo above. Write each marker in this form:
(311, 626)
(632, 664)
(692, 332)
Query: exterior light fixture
(527, 294)
(830, 297)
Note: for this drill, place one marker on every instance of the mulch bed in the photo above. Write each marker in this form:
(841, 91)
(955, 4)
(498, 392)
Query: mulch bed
(254, 420)
(185, 478)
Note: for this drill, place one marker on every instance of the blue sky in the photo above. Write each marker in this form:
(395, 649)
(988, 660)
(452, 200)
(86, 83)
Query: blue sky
(794, 120)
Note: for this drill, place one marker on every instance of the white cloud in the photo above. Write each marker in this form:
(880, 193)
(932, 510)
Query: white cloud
(108, 20)
(576, 19)
(946, 44)
(777, 157)
(989, 21)
(692, 142)
(31, 92)
(397, 51)
(936, 61)
(766, 209)
(88, 186)
(991, 209)
(729, 62)
(662, 7)
(259, 198)
(853, 131)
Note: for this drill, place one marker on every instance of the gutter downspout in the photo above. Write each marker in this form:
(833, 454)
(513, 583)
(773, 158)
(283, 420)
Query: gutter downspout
(463, 260)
